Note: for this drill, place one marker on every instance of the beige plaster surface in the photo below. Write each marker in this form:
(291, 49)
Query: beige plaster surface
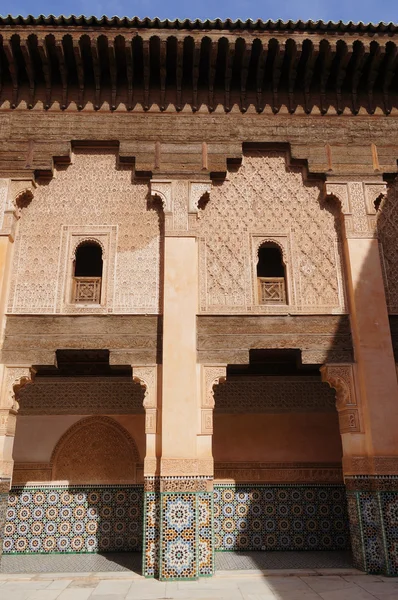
(373, 348)
(180, 415)
(312, 437)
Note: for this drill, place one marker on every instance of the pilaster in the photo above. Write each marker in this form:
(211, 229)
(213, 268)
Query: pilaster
(178, 498)
(367, 392)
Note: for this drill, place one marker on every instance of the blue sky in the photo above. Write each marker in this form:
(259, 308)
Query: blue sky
(346, 10)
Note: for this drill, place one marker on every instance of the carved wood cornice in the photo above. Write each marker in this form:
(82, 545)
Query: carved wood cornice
(64, 58)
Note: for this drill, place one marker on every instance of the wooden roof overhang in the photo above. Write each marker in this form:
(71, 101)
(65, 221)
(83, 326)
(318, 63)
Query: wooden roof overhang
(112, 63)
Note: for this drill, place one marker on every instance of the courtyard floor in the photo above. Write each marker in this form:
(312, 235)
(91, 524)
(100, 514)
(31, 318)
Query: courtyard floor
(237, 585)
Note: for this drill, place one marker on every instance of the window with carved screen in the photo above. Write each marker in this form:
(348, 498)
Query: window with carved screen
(271, 275)
(87, 276)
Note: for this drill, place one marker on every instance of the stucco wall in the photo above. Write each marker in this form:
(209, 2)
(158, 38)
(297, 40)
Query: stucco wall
(304, 437)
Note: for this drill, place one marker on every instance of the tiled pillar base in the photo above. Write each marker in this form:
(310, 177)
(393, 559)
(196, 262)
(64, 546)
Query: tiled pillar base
(178, 536)
(373, 513)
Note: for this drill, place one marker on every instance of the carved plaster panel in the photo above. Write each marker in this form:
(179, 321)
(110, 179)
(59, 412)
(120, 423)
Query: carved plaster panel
(82, 397)
(262, 394)
(387, 228)
(246, 472)
(186, 466)
(92, 192)
(95, 450)
(261, 197)
(4, 183)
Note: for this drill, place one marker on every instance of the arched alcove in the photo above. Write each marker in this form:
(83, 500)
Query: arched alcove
(271, 274)
(87, 271)
(95, 450)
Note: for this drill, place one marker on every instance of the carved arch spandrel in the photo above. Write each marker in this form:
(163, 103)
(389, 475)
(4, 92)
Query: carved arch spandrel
(147, 377)
(211, 375)
(342, 378)
(357, 202)
(95, 450)
(14, 379)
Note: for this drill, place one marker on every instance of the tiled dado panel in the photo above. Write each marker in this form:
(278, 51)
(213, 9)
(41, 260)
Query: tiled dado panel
(374, 530)
(84, 518)
(280, 517)
(178, 535)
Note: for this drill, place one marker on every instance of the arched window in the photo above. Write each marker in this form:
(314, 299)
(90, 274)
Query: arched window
(88, 273)
(271, 275)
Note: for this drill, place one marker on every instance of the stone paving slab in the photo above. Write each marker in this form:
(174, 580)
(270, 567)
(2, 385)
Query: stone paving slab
(240, 585)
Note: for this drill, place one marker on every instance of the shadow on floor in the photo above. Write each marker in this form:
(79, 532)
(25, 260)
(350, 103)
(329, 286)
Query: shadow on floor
(72, 563)
(132, 561)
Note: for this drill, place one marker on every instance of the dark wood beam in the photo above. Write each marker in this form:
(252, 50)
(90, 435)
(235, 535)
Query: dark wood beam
(260, 77)
(276, 75)
(212, 72)
(195, 73)
(112, 71)
(59, 49)
(378, 54)
(80, 72)
(359, 58)
(345, 55)
(327, 56)
(129, 73)
(147, 72)
(309, 74)
(163, 73)
(13, 69)
(294, 58)
(389, 73)
(46, 66)
(96, 70)
(30, 71)
(179, 73)
(244, 71)
(229, 60)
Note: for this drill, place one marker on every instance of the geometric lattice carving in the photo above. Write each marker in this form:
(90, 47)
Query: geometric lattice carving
(387, 228)
(95, 450)
(262, 196)
(271, 290)
(92, 192)
(212, 376)
(342, 378)
(82, 397)
(262, 394)
(87, 289)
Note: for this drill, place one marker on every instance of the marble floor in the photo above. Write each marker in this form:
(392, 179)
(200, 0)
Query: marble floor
(345, 584)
